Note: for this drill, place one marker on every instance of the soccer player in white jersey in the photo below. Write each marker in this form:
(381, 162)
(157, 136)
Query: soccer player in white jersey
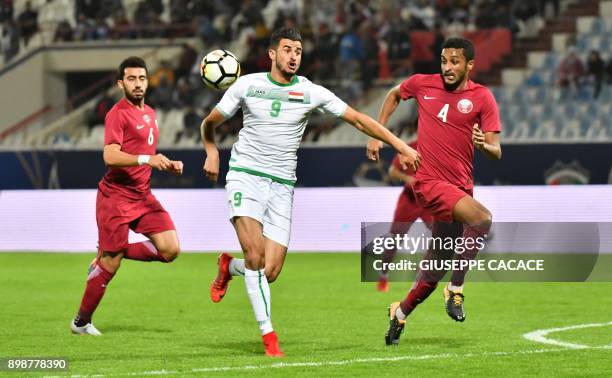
(276, 106)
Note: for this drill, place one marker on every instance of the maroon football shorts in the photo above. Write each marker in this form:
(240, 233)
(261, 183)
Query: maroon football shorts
(116, 216)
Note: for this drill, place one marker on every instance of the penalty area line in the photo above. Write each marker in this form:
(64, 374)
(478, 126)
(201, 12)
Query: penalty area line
(354, 361)
(539, 336)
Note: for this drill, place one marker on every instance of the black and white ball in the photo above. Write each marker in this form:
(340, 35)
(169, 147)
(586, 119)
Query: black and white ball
(219, 69)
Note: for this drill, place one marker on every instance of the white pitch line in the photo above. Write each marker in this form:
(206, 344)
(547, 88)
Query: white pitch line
(280, 365)
(539, 335)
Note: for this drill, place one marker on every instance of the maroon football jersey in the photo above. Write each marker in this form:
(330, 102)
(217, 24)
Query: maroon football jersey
(135, 130)
(445, 126)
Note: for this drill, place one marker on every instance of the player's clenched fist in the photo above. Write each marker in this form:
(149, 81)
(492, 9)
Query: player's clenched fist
(211, 167)
(159, 162)
(373, 149)
(176, 167)
(409, 158)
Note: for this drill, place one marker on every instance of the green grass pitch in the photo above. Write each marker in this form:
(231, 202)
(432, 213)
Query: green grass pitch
(158, 319)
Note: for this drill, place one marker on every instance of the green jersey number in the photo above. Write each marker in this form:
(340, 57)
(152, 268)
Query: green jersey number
(276, 107)
(237, 199)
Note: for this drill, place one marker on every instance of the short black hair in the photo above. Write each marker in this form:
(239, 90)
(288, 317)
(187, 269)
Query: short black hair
(131, 62)
(461, 43)
(287, 33)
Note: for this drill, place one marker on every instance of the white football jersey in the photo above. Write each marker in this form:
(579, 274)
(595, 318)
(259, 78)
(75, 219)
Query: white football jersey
(274, 118)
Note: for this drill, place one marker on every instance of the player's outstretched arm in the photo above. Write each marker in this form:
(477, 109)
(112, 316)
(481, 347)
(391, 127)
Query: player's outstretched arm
(369, 126)
(488, 143)
(392, 100)
(114, 157)
(207, 132)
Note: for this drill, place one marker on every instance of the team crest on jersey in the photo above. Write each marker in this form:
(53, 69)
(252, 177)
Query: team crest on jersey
(465, 106)
(146, 118)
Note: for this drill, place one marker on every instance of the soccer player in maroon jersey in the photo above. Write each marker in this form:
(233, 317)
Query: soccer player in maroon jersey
(456, 115)
(124, 198)
(407, 211)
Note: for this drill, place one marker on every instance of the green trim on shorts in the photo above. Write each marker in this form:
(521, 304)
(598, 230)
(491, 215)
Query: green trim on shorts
(262, 174)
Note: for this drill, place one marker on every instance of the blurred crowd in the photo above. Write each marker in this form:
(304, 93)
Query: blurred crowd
(573, 73)
(348, 44)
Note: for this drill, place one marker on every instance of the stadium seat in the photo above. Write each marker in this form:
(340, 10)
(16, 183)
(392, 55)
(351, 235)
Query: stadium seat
(598, 26)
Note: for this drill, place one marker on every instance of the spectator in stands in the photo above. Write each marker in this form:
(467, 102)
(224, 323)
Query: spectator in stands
(84, 29)
(596, 69)
(399, 48)
(370, 66)
(525, 9)
(28, 23)
(183, 95)
(63, 32)
(164, 71)
(6, 10)
(162, 95)
(571, 71)
(101, 31)
(122, 29)
(424, 13)
(436, 47)
(325, 53)
(186, 60)
(351, 58)
(205, 29)
(98, 114)
(10, 40)
(555, 5)
(88, 8)
(156, 6)
(505, 19)
(191, 125)
(609, 70)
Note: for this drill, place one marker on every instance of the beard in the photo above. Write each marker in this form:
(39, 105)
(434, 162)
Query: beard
(134, 99)
(452, 87)
(286, 74)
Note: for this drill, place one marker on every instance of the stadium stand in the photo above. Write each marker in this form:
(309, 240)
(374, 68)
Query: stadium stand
(398, 39)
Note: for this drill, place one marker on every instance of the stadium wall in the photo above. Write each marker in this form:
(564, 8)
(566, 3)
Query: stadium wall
(37, 79)
(324, 219)
(533, 164)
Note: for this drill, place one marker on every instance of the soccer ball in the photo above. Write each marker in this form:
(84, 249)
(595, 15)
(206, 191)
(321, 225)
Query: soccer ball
(219, 69)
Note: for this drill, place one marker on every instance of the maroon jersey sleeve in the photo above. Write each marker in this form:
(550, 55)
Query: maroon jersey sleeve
(408, 87)
(489, 116)
(113, 128)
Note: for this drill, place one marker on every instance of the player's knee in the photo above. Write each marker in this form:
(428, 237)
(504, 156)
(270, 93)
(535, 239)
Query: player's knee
(110, 262)
(254, 255)
(486, 219)
(171, 252)
(272, 274)
(483, 219)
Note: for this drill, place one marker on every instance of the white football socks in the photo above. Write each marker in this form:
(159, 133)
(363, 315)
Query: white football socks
(259, 295)
(236, 267)
(456, 289)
